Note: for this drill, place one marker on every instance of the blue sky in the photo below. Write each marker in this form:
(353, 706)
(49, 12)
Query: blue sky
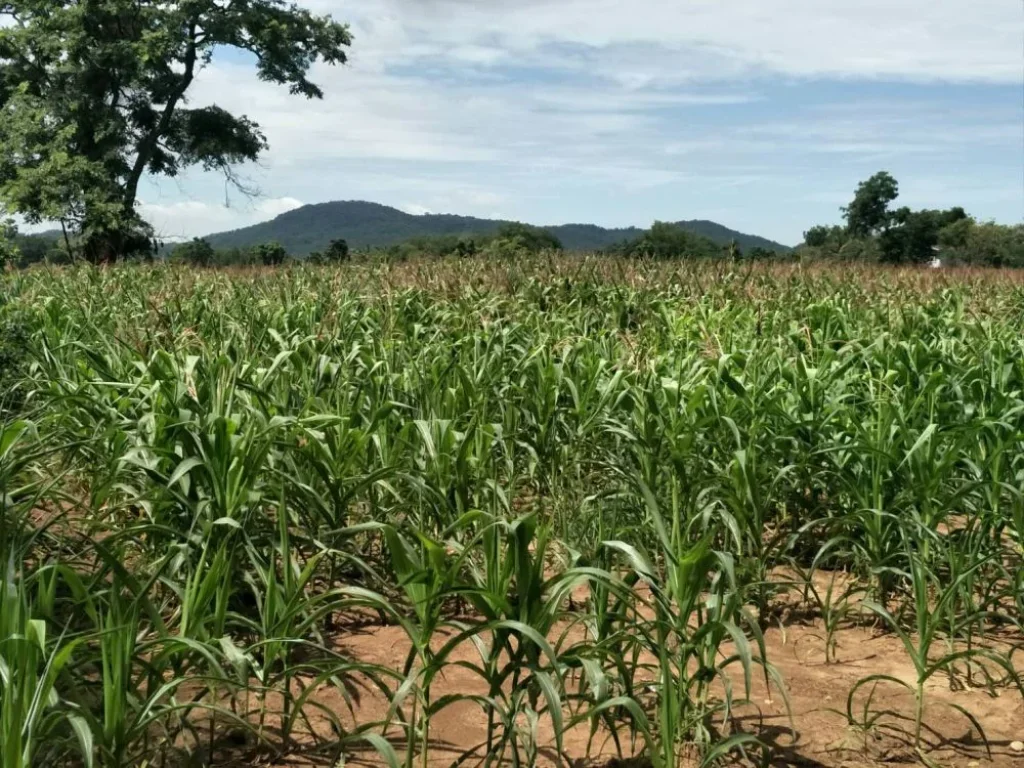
(760, 115)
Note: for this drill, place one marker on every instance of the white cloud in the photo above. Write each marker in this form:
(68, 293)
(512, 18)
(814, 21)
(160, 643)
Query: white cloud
(618, 111)
(477, 54)
(191, 218)
(534, 108)
(923, 39)
(415, 209)
(277, 206)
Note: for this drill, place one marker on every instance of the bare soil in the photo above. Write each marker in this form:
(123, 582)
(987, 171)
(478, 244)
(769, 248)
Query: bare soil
(814, 732)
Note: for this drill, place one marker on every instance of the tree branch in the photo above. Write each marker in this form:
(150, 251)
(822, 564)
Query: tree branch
(150, 142)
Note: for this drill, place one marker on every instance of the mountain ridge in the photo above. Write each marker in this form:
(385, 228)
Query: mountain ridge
(366, 225)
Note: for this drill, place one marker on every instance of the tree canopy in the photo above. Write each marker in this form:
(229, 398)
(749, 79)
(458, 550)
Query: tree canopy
(969, 242)
(875, 232)
(270, 254)
(337, 251)
(868, 212)
(914, 235)
(529, 238)
(372, 225)
(670, 241)
(93, 96)
(197, 252)
(822, 235)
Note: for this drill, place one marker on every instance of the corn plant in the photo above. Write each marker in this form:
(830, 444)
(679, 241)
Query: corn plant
(595, 475)
(35, 721)
(696, 609)
(932, 596)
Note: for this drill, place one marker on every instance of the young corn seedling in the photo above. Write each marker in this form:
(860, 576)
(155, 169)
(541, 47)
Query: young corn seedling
(931, 594)
(695, 608)
(36, 722)
(520, 606)
(833, 603)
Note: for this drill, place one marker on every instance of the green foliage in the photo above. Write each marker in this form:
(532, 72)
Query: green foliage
(510, 241)
(957, 234)
(903, 236)
(14, 359)
(579, 485)
(434, 247)
(528, 238)
(39, 249)
(817, 236)
(197, 252)
(32, 714)
(914, 235)
(505, 250)
(92, 97)
(269, 254)
(235, 257)
(827, 238)
(864, 249)
(987, 244)
(669, 241)
(373, 226)
(757, 253)
(10, 252)
(868, 212)
(337, 252)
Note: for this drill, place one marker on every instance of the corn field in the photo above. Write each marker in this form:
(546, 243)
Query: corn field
(596, 492)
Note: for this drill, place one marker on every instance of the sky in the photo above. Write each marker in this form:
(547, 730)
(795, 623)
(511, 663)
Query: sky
(760, 115)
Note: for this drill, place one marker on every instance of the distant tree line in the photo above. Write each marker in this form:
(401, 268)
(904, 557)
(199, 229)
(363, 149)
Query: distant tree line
(670, 241)
(875, 231)
(510, 241)
(24, 250)
(200, 253)
(662, 241)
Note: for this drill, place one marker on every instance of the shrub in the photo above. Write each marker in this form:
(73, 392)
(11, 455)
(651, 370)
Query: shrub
(670, 241)
(198, 253)
(337, 252)
(9, 253)
(270, 254)
(987, 244)
(528, 238)
(14, 345)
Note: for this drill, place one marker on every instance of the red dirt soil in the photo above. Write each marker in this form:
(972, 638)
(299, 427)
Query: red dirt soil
(821, 737)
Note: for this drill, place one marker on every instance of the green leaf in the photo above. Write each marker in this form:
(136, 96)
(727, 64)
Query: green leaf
(183, 469)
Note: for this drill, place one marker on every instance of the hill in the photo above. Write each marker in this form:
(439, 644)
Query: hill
(365, 225)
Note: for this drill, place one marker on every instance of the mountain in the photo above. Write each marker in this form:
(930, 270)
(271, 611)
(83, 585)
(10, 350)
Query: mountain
(364, 225)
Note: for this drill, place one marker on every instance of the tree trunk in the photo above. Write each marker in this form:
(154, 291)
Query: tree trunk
(102, 248)
(131, 240)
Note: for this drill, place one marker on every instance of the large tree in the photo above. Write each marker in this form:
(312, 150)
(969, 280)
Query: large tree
(93, 96)
(198, 252)
(868, 213)
(665, 240)
(529, 238)
(914, 235)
